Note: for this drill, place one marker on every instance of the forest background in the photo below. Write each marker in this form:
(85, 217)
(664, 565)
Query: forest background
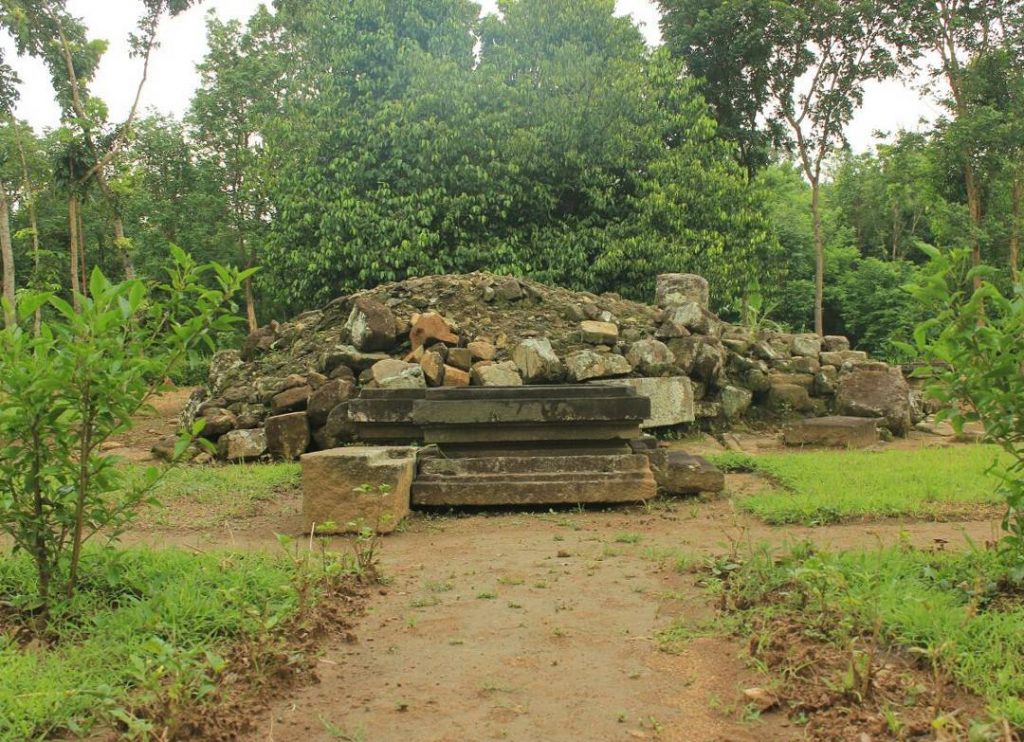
(341, 143)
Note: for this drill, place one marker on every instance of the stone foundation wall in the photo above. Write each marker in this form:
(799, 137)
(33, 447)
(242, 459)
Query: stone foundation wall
(489, 330)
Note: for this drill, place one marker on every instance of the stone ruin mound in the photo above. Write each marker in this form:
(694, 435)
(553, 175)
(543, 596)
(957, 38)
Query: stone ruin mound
(288, 389)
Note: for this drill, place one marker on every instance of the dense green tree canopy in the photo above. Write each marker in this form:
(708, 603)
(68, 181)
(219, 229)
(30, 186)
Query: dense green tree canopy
(564, 149)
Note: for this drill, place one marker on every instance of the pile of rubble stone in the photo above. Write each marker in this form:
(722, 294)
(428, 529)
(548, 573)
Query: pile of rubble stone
(288, 389)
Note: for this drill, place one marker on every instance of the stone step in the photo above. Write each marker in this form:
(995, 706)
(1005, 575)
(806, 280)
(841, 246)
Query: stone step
(527, 480)
(596, 408)
(534, 466)
(505, 433)
(532, 448)
(550, 391)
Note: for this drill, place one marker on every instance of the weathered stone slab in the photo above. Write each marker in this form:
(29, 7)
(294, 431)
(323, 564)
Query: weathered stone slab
(347, 489)
(671, 398)
(288, 436)
(588, 364)
(618, 388)
(385, 414)
(673, 289)
(599, 333)
(833, 432)
(875, 391)
(499, 412)
(530, 432)
(371, 325)
(242, 445)
(679, 473)
(534, 480)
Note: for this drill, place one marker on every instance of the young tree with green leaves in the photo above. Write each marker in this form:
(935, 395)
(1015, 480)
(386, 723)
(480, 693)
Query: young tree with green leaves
(76, 383)
(800, 64)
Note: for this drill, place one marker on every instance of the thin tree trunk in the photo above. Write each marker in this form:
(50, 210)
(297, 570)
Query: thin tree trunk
(7, 260)
(30, 200)
(975, 209)
(819, 259)
(123, 247)
(81, 255)
(1018, 195)
(73, 225)
(250, 301)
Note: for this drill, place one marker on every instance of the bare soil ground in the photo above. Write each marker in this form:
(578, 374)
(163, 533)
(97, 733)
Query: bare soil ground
(534, 625)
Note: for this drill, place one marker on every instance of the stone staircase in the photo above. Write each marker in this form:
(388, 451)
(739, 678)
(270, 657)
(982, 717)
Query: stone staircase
(493, 446)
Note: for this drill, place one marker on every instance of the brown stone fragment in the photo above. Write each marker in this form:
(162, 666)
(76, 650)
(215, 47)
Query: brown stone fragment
(348, 489)
(288, 435)
(433, 368)
(455, 376)
(431, 328)
(460, 358)
(291, 400)
(327, 397)
(481, 350)
(833, 432)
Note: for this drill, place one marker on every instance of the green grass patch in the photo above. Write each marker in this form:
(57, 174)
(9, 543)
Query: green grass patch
(147, 630)
(205, 496)
(960, 613)
(217, 484)
(820, 487)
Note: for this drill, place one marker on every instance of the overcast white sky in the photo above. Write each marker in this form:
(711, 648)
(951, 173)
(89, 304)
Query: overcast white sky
(888, 106)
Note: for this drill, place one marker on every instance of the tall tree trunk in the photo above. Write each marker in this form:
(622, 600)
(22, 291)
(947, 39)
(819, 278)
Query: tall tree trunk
(250, 301)
(7, 260)
(73, 225)
(81, 255)
(819, 259)
(975, 209)
(30, 200)
(1018, 195)
(123, 247)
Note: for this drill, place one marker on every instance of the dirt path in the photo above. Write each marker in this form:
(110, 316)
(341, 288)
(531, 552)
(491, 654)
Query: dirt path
(523, 627)
(544, 626)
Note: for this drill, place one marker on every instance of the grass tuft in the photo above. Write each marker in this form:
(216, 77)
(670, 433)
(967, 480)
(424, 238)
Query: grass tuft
(146, 627)
(821, 487)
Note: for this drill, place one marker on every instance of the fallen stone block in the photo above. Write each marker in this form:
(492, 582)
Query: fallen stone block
(288, 435)
(371, 325)
(672, 399)
(496, 374)
(599, 333)
(679, 473)
(588, 364)
(650, 357)
(673, 289)
(538, 362)
(347, 489)
(243, 445)
(875, 391)
(431, 328)
(833, 432)
(327, 397)
(291, 400)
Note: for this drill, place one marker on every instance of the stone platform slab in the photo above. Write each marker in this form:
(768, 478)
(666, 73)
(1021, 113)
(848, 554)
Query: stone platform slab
(833, 432)
(533, 480)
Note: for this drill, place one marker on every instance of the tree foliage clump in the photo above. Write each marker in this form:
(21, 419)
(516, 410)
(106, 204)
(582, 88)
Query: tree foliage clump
(563, 149)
